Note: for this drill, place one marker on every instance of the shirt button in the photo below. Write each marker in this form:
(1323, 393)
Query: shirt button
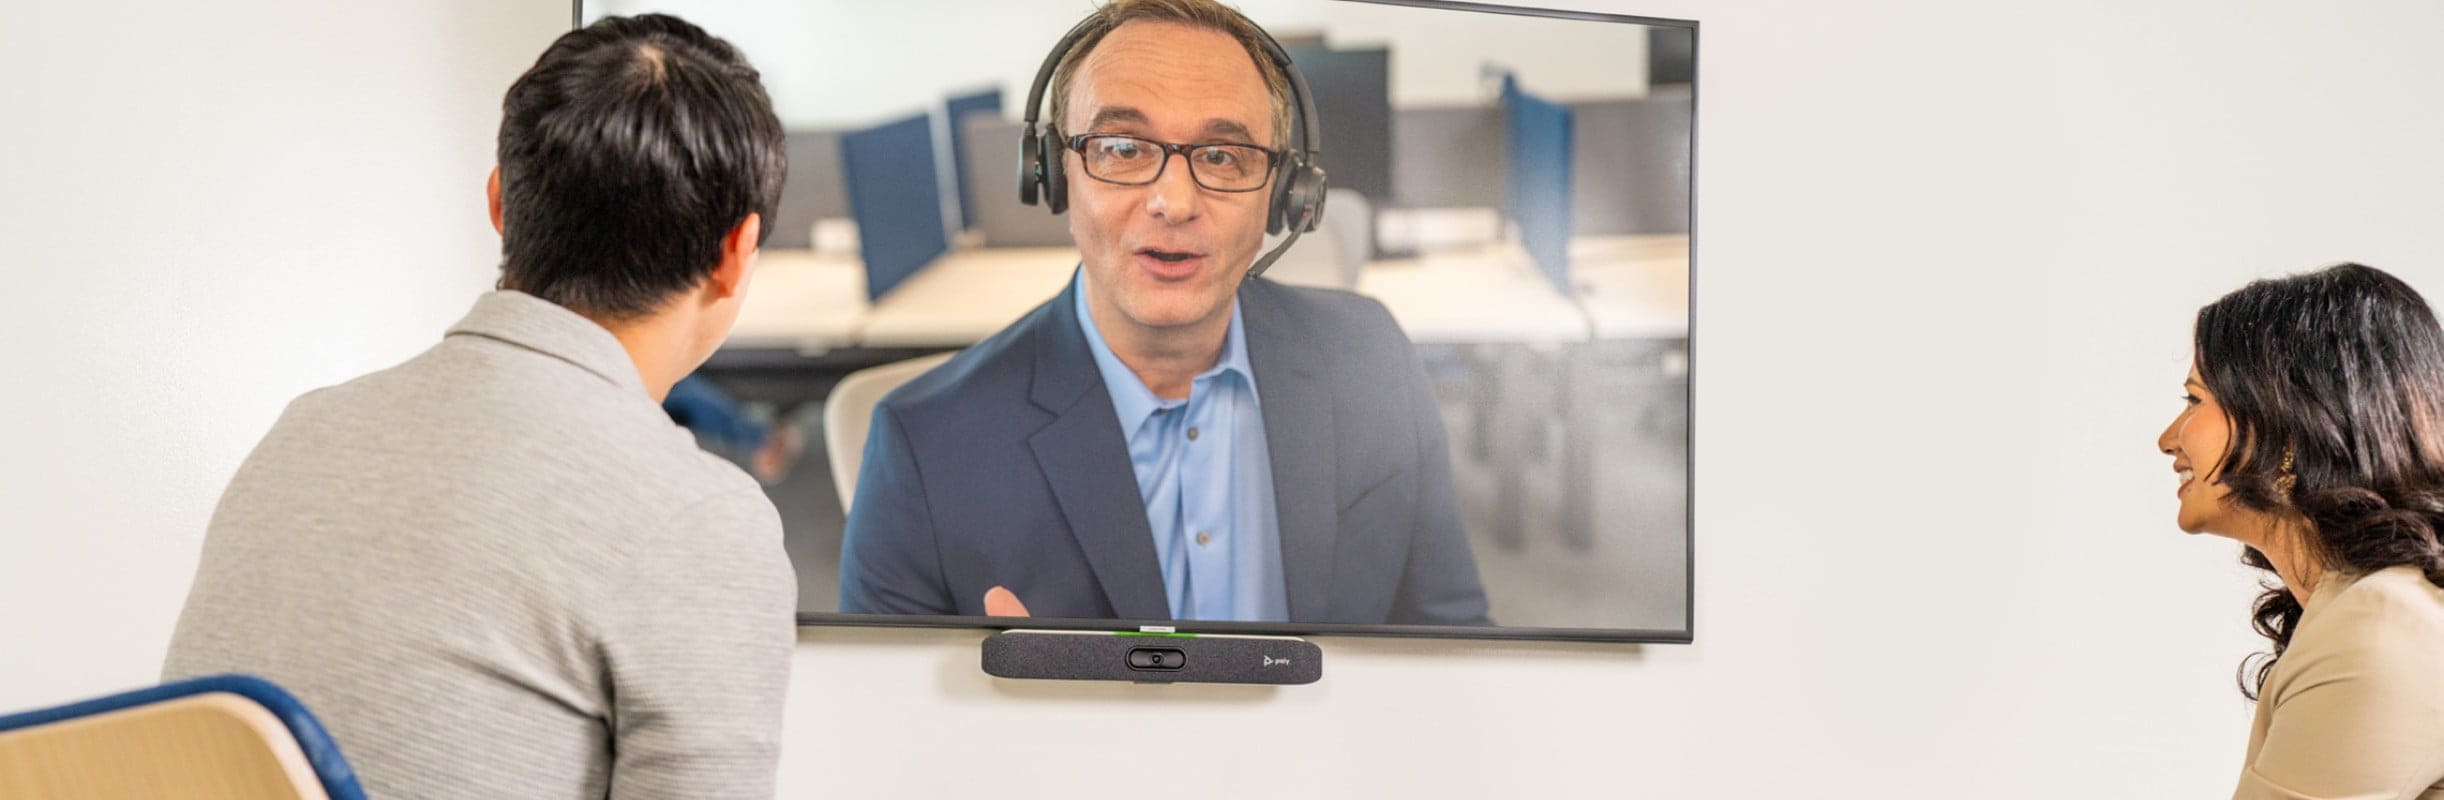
(1192, 434)
(1204, 538)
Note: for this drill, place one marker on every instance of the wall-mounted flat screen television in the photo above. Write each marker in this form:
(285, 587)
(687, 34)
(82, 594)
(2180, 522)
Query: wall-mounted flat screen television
(1037, 386)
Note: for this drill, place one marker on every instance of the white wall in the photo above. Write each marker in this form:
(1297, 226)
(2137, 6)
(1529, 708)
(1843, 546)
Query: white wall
(1948, 253)
(208, 209)
(848, 63)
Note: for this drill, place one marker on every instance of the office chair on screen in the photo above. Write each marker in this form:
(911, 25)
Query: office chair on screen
(1331, 257)
(850, 409)
(223, 737)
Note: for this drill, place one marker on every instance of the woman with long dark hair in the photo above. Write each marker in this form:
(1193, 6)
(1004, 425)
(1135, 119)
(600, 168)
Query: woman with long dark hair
(2314, 434)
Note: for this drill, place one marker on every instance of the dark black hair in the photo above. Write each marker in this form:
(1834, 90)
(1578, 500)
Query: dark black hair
(2340, 372)
(627, 152)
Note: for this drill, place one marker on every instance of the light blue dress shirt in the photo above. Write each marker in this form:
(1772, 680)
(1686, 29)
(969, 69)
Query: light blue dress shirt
(1206, 478)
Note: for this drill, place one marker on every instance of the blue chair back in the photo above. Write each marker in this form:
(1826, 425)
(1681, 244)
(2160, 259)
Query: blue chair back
(330, 768)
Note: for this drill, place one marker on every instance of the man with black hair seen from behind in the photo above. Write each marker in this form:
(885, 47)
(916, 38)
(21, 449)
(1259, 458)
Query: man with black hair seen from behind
(497, 570)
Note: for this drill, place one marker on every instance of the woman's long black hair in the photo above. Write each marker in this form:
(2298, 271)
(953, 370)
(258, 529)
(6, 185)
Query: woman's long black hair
(2340, 372)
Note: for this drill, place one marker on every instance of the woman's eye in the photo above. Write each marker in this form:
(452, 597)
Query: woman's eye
(2190, 398)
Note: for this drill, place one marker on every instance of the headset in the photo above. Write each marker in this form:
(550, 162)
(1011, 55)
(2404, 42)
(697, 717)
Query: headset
(1297, 201)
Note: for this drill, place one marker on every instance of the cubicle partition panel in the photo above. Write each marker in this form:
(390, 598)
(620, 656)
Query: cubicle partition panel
(1536, 195)
(1448, 156)
(1632, 165)
(895, 200)
(989, 174)
(985, 104)
(1353, 106)
(1671, 56)
(814, 190)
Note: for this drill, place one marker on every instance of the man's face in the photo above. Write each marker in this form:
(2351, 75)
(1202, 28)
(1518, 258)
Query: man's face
(1170, 253)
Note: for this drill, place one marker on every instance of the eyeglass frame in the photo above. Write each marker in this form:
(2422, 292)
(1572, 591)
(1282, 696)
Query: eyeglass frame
(1272, 160)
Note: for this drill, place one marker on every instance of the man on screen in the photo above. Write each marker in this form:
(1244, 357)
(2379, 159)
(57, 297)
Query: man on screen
(1167, 439)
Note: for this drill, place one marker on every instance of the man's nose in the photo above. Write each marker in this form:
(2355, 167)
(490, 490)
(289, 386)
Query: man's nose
(1175, 196)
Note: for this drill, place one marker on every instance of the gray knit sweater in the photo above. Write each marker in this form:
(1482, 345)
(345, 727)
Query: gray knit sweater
(498, 570)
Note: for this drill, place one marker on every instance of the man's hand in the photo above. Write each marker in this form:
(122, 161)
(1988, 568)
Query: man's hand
(781, 449)
(1001, 602)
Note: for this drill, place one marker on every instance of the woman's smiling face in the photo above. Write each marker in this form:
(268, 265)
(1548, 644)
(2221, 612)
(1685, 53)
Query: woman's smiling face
(2197, 440)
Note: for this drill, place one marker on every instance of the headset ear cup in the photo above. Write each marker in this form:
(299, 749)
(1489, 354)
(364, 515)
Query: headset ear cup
(1277, 209)
(1056, 179)
(1311, 200)
(1030, 170)
(1301, 202)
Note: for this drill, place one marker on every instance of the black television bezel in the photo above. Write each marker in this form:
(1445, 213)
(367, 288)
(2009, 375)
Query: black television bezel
(1685, 635)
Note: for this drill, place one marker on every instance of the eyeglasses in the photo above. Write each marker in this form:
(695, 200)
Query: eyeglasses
(1137, 161)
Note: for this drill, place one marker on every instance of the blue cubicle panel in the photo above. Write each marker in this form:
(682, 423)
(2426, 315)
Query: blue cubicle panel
(985, 102)
(895, 199)
(1536, 188)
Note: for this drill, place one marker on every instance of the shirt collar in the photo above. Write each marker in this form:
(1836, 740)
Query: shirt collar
(1131, 400)
(545, 327)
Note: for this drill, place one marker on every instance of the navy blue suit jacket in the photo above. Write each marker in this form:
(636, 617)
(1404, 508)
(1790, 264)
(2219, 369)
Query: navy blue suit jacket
(1006, 466)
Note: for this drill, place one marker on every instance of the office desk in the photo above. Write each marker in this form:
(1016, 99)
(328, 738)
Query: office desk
(1490, 294)
(802, 301)
(1419, 230)
(1512, 324)
(1633, 287)
(967, 295)
(812, 302)
(1634, 291)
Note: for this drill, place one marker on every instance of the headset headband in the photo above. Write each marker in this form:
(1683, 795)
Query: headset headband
(1310, 138)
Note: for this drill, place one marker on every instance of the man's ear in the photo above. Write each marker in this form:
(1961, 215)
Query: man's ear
(492, 197)
(737, 254)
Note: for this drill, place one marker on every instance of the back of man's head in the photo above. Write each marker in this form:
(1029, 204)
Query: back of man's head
(627, 153)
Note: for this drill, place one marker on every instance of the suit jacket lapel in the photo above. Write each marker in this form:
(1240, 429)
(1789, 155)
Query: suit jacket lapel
(1086, 461)
(1297, 407)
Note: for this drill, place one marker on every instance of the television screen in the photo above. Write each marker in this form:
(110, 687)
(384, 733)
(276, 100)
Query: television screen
(1454, 402)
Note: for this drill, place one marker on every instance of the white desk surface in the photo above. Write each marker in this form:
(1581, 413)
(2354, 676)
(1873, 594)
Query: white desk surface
(1633, 287)
(1628, 287)
(1489, 294)
(802, 300)
(967, 295)
(1425, 230)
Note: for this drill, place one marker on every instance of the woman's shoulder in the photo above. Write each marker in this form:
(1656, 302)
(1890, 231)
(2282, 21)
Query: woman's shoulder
(2385, 623)
(2399, 599)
